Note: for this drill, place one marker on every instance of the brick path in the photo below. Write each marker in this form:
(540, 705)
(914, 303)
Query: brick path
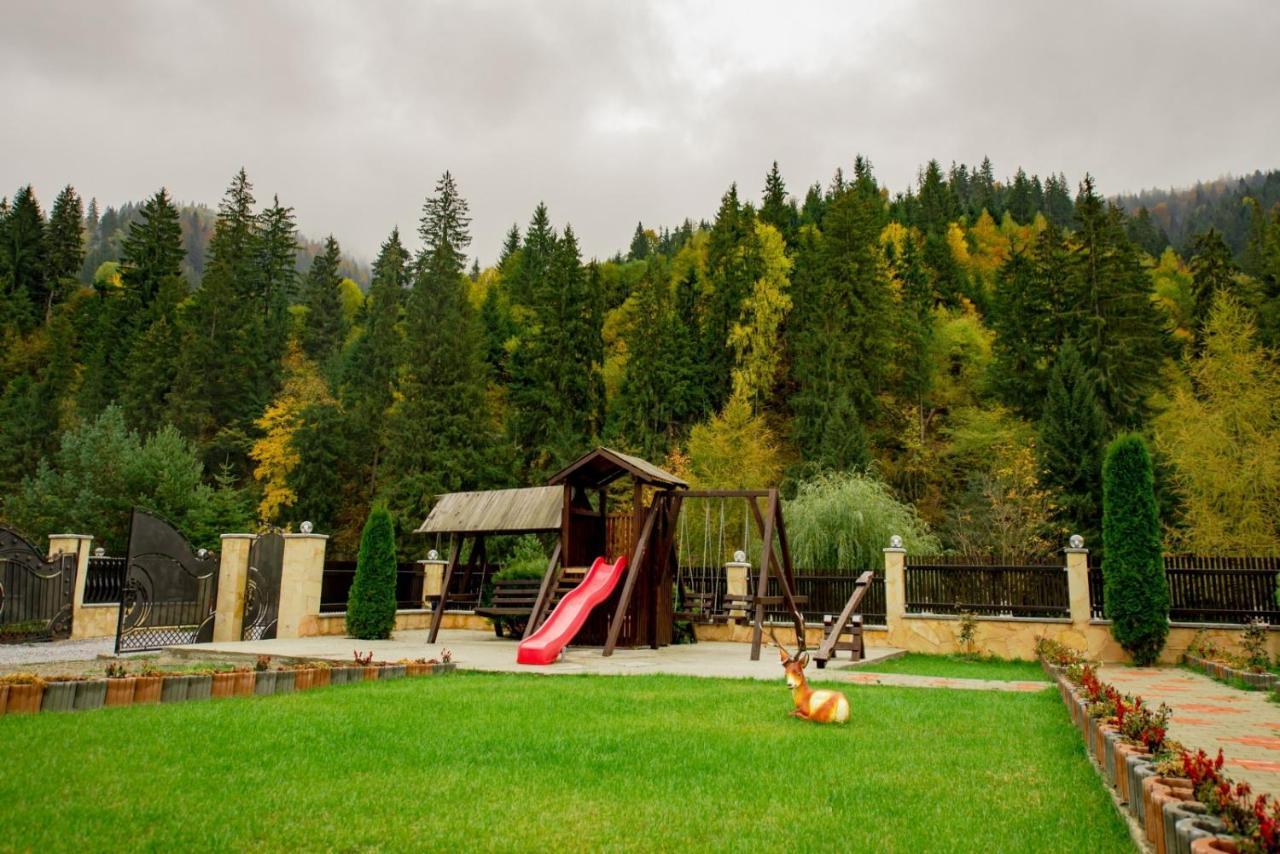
(1211, 715)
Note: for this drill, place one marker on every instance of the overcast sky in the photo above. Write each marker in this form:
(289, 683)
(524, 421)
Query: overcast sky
(616, 111)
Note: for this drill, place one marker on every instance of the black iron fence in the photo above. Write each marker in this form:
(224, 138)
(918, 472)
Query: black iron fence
(104, 580)
(35, 592)
(1210, 589)
(826, 592)
(990, 586)
(335, 586)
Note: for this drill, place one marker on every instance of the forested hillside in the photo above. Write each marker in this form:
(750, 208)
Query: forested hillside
(956, 354)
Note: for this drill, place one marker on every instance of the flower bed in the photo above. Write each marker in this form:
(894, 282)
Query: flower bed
(1250, 667)
(1180, 798)
(27, 693)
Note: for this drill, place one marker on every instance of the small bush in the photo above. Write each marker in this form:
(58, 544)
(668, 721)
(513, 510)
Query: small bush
(1136, 593)
(371, 605)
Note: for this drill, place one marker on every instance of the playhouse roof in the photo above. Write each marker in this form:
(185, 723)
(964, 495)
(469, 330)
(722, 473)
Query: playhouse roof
(604, 465)
(533, 510)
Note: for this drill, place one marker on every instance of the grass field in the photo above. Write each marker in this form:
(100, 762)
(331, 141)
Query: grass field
(954, 666)
(563, 763)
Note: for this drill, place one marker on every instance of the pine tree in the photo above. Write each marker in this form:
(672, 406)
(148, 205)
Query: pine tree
(441, 436)
(371, 604)
(326, 327)
(64, 248)
(775, 208)
(643, 418)
(1072, 437)
(323, 470)
(731, 272)
(1058, 207)
(370, 380)
(937, 205)
(1136, 593)
(152, 252)
(640, 246)
(277, 249)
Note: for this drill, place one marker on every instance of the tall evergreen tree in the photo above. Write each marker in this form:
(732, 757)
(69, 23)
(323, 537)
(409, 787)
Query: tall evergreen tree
(370, 380)
(152, 252)
(23, 259)
(1072, 436)
(640, 246)
(371, 604)
(64, 247)
(842, 305)
(643, 418)
(775, 208)
(1113, 321)
(1213, 272)
(937, 205)
(326, 327)
(731, 272)
(441, 437)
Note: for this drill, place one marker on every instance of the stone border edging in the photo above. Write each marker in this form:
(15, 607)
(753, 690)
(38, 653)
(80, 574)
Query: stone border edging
(1266, 680)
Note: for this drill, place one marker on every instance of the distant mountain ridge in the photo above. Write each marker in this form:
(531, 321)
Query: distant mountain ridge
(1218, 204)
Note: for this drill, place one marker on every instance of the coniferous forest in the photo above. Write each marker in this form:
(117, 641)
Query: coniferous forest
(957, 353)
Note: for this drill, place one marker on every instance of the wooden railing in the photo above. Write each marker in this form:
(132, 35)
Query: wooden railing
(335, 585)
(990, 586)
(1210, 589)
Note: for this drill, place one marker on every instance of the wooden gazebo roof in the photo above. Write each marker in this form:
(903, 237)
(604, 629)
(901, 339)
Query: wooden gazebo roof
(605, 465)
(498, 511)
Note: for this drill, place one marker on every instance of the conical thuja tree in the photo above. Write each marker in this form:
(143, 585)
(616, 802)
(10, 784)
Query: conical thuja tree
(1136, 593)
(371, 604)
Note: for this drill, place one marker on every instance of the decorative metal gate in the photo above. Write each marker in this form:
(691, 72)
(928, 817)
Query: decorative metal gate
(262, 588)
(170, 591)
(35, 593)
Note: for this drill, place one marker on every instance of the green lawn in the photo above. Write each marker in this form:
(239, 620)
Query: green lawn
(919, 664)
(508, 762)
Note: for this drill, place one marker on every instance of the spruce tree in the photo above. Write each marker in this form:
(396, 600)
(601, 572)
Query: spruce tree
(643, 416)
(64, 247)
(1213, 272)
(775, 208)
(326, 327)
(370, 379)
(441, 438)
(640, 247)
(731, 273)
(1136, 592)
(1110, 315)
(277, 250)
(371, 604)
(23, 260)
(152, 252)
(323, 471)
(1072, 436)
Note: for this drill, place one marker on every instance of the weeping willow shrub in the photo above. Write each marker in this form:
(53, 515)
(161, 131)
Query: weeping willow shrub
(842, 522)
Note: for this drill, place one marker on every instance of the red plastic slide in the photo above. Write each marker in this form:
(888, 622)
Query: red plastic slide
(544, 645)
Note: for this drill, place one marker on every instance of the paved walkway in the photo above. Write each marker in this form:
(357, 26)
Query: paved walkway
(15, 656)
(1211, 715)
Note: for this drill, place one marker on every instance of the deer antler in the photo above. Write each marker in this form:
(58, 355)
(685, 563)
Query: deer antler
(778, 643)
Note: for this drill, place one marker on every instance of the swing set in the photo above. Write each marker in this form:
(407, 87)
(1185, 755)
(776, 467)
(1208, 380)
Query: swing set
(639, 609)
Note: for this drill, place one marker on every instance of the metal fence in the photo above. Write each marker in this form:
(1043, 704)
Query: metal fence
(990, 586)
(338, 575)
(1209, 589)
(104, 580)
(826, 591)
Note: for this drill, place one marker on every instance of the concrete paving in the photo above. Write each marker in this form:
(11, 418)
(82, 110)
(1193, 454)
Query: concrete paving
(15, 656)
(473, 650)
(1211, 715)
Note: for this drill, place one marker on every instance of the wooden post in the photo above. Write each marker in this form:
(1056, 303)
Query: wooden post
(549, 580)
(762, 585)
(624, 600)
(455, 548)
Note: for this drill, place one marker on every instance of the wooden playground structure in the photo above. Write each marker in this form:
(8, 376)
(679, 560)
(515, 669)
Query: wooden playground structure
(574, 506)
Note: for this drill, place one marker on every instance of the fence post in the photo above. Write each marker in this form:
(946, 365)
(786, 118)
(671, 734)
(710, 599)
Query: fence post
(233, 571)
(895, 590)
(81, 546)
(1078, 584)
(301, 576)
(736, 573)
(432, 578)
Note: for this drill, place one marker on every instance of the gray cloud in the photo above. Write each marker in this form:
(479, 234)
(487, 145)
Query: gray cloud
(615, 112)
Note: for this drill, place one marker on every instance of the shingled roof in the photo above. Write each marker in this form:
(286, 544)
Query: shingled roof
(604, 465)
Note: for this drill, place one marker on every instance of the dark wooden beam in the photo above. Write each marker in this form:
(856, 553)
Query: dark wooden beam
(549, 581)
(615, 626)
(455, 549)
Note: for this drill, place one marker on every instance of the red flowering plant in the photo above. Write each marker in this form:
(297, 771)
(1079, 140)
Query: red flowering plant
(1234, 804)
(1203, 772)
(1093, 687)
(1266, 835)
(1144, 725)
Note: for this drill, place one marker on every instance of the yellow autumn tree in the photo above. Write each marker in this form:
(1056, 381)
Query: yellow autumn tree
(1222, 436)
(274, 453)
(755, 340)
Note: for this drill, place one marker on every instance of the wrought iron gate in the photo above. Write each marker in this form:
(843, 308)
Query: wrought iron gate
(170, 591)
(262, 588)
(35, 593)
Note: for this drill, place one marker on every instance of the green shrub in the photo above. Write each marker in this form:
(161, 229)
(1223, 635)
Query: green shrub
(844, 521)
(1137, 595)
(527, 560)
(371, 604)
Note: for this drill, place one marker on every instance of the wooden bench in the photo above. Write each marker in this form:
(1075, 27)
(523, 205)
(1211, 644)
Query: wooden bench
(511, 605)
(845, 633)
(745, 605)
(698, 606)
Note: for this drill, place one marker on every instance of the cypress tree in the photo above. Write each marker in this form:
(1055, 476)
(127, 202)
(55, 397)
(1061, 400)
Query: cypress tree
(1072, 436)
(371, 604)
(1136, 593)
(326, 327)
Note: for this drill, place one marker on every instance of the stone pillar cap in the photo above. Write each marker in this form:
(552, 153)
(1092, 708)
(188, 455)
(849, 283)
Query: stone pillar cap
(305, 536)
(71, 536)
(890, 550)
(239, 536)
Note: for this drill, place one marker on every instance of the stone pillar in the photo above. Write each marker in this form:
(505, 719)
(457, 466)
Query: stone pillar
(300, 580)
(80, 545)
(233, 572)
(1078, 585)
(737, 575)
(432, 578)
(895, 591)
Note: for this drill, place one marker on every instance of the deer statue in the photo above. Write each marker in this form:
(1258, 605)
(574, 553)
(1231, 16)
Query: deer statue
(824, 707)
